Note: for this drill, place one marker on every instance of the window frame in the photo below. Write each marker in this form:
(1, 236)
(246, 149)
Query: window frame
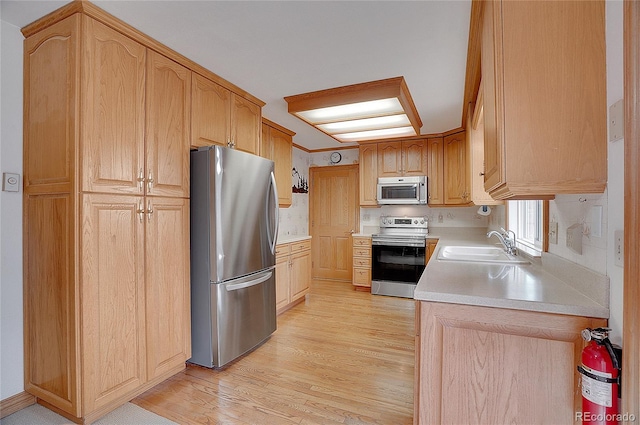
(514, 212)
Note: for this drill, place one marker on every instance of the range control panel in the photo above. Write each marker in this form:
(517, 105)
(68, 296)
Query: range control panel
(404, 222)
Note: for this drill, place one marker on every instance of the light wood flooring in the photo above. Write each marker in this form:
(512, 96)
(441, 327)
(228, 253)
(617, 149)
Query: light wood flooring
(341, 357)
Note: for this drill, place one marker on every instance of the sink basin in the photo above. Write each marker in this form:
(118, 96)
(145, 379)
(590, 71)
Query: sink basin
(479, 254)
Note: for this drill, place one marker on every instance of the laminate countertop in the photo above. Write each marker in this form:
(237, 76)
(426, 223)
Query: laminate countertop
(292, 238)
(549, 284)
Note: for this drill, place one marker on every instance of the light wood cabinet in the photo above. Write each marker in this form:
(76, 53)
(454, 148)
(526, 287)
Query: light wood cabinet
(475, 150)
(402, 158)
(431, 248)
(435, 174)
(486, 365)
(293, 273)
(456, 170)
(368, 174)
(361, 262)
(221, 117)
(277, 145)
(168, 100)
(107, 311)
(545, 133)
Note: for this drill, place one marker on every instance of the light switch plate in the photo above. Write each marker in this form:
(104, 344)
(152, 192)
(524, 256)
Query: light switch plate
(616, 121)
(618, 246)
(10, 182)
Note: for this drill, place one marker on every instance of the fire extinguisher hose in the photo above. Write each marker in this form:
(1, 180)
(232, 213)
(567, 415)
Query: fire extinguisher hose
(585, 372)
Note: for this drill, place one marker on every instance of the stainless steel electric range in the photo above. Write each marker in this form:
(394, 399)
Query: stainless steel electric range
(398, 255)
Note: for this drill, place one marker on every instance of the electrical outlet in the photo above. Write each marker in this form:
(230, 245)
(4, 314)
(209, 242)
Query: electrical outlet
(618, 246)
(553, 232)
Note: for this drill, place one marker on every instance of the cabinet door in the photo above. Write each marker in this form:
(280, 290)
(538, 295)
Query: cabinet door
(246, 122)
(51, 76)
(112, 298)
(210, 112)
(112, 110)
(282, 145)
(282, 280)
(368, 168)
(300, 274)
(493, 105)
(266, 147)
(390, 159)
(414, 158)
(435, 172)
(456, 187)
(167, 142)
(167, 283)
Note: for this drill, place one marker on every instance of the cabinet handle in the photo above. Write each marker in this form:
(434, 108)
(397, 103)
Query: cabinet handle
(149, 210)
(140, 211)
(150, 182)
(141, 181)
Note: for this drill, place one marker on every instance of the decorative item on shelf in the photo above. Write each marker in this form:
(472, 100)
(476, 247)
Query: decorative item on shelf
(335, 158)
(302, 185)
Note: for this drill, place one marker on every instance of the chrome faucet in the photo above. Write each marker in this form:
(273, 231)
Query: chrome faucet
(508, 242)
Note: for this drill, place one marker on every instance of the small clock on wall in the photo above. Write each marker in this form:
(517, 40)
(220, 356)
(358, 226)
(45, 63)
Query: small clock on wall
(335, 157)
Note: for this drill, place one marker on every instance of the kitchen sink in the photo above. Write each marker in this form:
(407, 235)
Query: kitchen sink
(478, 254)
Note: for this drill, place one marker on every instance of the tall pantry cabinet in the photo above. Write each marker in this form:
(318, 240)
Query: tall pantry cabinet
(106, 215)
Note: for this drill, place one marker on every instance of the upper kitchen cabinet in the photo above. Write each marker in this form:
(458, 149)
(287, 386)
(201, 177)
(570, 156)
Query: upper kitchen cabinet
(456, 170)
(544, 84)
(368, 175)
(475, 150)
(221, 117)
(167, 127)
(277, 145)
(435, 160)
(113, 110)
(402, 158)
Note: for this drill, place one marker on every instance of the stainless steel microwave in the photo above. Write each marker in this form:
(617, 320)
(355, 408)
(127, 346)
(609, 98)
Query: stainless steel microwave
(402, 190)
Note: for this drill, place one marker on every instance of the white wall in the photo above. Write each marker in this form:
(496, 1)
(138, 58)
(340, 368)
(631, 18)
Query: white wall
(615, 185)
(11, 353)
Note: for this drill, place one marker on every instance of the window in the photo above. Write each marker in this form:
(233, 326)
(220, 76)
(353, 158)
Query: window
(526, 219)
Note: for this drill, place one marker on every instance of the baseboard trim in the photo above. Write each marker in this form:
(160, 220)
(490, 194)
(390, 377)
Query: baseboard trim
(14, 403)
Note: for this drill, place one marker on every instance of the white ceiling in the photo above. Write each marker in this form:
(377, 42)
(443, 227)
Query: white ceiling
(274, 49)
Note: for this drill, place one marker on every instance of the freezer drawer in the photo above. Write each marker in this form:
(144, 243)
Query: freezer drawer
(243, 315)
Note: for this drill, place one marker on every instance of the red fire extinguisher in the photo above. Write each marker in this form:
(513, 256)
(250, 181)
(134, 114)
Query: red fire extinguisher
(600, 372)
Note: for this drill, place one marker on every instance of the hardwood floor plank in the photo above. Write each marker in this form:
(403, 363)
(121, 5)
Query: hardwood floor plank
(341, 357)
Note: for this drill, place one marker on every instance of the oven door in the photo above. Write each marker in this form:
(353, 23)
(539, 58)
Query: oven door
(397, 261)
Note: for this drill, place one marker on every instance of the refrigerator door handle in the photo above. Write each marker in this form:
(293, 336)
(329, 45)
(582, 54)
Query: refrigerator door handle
(245, 284)
(274, 193)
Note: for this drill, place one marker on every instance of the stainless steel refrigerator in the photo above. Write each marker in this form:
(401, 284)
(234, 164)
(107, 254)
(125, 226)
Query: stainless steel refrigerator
(234, 224)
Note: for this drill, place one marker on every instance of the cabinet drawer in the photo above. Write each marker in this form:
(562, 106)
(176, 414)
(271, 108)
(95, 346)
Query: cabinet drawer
(283, 249)
(362, 262)
(361, 276)
(361, 252)
(300, 246)
(361, 241)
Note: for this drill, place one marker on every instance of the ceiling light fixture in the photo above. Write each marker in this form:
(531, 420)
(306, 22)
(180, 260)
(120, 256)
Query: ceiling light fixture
(367, 111)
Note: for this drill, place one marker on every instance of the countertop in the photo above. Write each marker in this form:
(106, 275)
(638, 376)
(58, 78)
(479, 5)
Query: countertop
(292, 238)
(550, 284)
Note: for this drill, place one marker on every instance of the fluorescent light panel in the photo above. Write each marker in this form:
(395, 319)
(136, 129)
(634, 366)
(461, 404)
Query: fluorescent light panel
(376, 123)
(376, 134)
(352, 111)
(366, 111)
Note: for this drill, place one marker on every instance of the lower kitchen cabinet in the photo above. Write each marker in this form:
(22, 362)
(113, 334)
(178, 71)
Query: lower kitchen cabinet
(361, 262)
(481, 365)
(431, 248)
(293, 273)
(107, 304)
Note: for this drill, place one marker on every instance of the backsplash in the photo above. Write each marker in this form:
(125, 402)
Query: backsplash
(437, 217)
(568, 210)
